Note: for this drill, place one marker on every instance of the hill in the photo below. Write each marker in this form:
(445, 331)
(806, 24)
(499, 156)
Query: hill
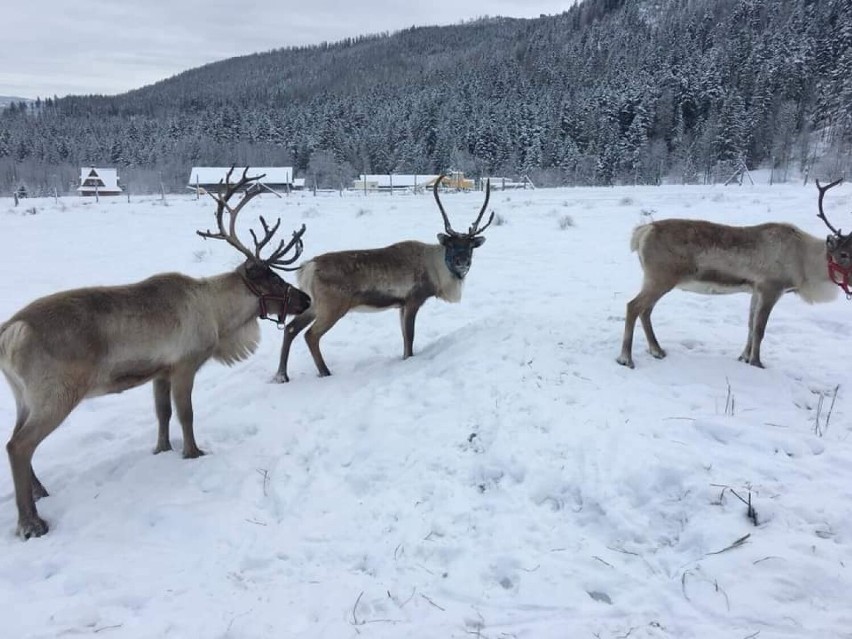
(607, 92)
(6, 100)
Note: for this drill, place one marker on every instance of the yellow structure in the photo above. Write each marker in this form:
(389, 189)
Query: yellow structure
(457, 180)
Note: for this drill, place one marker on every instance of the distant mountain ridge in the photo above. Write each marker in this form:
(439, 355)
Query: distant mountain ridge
(607, 92)
(6, 100)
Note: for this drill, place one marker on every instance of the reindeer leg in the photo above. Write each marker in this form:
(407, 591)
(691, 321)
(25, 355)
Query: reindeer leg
(163, 408)
(746, 354)
(653, 345)
(407, 316)
(183, 379)
(21, 447)
(768, 296)
(626, 357)
(641, 306)
(319, 328)
(293, 328)
(39, 490)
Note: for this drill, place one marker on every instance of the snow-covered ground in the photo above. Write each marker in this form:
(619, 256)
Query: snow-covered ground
(510, 480)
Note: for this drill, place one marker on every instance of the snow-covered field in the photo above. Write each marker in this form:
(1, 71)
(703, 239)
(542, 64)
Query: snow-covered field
(510, 480)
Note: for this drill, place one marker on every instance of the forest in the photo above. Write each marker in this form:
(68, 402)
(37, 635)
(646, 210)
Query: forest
(608, 92)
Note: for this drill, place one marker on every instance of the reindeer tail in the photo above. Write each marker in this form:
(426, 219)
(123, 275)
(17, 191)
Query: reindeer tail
(11, 335)
(638, 236)
(3, 340)
(306, 277)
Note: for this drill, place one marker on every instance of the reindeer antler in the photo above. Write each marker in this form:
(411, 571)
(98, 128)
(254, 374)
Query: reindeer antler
(252, 188)
(821, 214)
(474, 228)
(447, 227)
(277, 261)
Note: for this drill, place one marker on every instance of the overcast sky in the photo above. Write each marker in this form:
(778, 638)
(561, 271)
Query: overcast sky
(57, 47)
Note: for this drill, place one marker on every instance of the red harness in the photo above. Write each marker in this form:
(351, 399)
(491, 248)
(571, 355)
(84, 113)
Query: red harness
(840, 276)
(263, 298)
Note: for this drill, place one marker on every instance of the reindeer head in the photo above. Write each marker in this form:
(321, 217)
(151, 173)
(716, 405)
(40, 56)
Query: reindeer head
(458, 247)
(275, 296)
(838, 246)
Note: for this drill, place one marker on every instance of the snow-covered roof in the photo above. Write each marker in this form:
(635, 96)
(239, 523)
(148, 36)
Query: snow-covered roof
(398, 180)
(104, 174)
(215, 174)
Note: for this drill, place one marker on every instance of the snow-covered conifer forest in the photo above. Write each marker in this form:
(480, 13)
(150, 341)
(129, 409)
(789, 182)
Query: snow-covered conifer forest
(608, 92)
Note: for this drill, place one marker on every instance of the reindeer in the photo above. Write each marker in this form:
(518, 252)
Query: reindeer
(402, 275)
(768, 260)
(88, 342)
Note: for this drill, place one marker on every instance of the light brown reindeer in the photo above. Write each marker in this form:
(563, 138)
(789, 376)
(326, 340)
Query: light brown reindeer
(402, 275)
(87, 342)
(767, 260)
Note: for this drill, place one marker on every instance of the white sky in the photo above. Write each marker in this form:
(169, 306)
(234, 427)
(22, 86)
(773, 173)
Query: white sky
(57, 47)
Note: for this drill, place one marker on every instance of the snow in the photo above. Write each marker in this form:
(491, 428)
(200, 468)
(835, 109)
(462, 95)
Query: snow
(510, 480)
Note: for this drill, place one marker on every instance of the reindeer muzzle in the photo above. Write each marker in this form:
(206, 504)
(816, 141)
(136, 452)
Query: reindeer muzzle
(840, 276)
(284, 307)
(284, 302)
(458, 267)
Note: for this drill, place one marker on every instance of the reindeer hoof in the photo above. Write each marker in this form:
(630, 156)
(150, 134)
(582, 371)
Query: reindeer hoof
(756, 363)
(625, 361)
(33, 526)
(280, 378)
(162, 447)
(193, 453)
(658, 354)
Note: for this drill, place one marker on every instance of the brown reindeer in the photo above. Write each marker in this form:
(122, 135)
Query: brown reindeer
(87, 342)
(767, 260)
(402, 275)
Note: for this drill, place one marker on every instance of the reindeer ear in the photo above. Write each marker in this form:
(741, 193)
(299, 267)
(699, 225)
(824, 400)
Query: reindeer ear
(478, 241)
(443, 239)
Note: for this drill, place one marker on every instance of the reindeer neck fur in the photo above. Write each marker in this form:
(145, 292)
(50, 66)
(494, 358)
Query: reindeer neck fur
(238, 306)
(448, 285)
(817, 287)
(235, 309)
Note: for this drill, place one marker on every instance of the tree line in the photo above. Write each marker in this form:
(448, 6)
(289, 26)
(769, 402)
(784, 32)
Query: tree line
(610, 91)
